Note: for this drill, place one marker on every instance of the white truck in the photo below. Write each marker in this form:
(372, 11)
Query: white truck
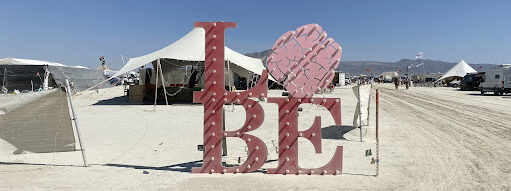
(497, 80)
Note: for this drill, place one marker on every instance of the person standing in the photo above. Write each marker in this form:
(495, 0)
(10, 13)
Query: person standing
(397, 81)
(407, 82)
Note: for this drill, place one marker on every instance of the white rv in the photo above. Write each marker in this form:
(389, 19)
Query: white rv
(497, 80)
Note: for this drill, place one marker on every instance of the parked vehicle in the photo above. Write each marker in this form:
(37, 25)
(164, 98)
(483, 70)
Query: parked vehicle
(497, 80)
(471, 81)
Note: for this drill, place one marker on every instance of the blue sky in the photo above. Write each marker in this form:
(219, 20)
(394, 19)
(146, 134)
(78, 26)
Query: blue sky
(78, 32)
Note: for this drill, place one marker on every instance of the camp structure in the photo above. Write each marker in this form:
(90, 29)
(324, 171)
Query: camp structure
(23, 75)
(459, 70)
(429, 77)
(387, 76)
(182, 67)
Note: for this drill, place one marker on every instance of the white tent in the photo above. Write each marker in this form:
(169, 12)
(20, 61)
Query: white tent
(389, 75)
(461, 69)
(191, 48)
(18, 61)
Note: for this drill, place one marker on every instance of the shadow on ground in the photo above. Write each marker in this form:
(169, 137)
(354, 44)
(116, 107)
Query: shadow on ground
(124, 100)
(490, 94)
(37, 164)
(335, 132)
(181, 167)
(121, 100)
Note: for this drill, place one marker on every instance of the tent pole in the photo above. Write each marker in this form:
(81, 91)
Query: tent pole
(156, 89)
(5, 73)
(162, 82)
(75, 119)
(229, 77)
(46, 76)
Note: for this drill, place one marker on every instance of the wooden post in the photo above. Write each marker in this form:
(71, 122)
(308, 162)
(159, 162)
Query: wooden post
(75, 119)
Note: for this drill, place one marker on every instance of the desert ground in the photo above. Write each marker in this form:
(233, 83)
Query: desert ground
(430, 139)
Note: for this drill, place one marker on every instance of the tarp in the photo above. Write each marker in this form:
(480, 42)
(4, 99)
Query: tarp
(191, 48)
(461, 69)
(83, 78)
(10, 102)
(24, 77)
(36, 122)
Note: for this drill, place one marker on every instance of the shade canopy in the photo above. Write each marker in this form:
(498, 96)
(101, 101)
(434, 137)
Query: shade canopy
(19, 61)
(460, 70)
(191, 47)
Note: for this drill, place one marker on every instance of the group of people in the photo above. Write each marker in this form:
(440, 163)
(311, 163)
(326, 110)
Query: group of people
(398, 81)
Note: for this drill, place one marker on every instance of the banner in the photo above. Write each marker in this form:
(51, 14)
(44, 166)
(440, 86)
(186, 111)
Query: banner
(365, 92)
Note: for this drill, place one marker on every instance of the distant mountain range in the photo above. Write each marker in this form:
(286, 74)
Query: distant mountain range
(376, 67)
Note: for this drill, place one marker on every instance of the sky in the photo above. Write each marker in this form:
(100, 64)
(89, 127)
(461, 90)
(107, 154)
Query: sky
(79, 32)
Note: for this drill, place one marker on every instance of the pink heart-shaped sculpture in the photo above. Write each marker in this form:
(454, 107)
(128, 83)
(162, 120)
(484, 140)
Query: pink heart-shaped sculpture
(304, 61)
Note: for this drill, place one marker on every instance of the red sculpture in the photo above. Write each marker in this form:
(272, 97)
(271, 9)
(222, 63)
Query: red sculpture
(214, 96)
(304, 61)
(288, 136)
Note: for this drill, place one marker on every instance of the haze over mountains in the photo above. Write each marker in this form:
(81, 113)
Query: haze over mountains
(376, 67)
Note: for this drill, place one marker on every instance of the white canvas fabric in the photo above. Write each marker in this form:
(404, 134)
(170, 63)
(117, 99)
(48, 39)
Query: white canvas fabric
(365, 92)
(191, 48)
(18, 61)
(461, 69)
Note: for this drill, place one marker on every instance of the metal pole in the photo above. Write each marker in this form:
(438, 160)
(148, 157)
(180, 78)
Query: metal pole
(156, 89)
(75, 119)
(377, 140)
(163, 82)
(229, 75)
(224, 140)
(5, 73)
(359, 109)
(423, 65)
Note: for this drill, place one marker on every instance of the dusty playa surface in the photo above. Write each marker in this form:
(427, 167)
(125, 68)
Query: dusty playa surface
(431, 139)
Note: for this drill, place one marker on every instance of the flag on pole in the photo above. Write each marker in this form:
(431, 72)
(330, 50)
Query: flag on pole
(420, 55)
